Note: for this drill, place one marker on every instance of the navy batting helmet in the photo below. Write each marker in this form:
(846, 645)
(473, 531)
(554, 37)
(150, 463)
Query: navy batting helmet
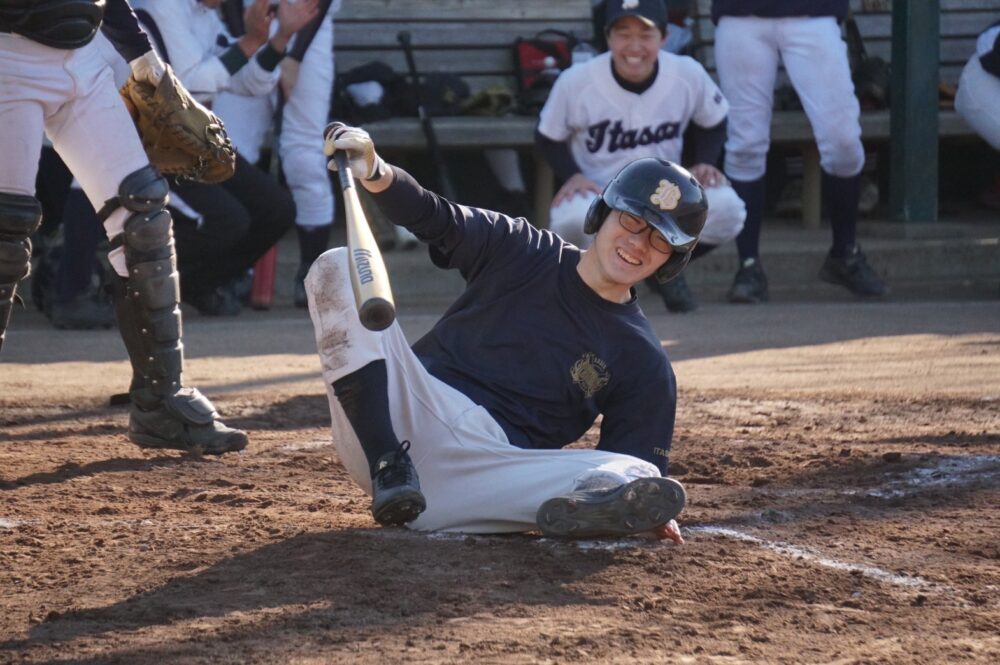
(666, 196)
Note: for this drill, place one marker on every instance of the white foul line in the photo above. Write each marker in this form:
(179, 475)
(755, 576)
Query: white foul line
(810, 555)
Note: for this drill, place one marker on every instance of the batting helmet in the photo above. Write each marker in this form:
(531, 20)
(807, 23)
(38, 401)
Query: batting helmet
(666, 196)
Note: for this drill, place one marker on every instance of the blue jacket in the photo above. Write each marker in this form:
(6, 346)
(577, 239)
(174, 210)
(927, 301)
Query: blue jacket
(779, 8)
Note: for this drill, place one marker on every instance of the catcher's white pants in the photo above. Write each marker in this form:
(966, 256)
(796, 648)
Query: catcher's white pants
(747, 52)
(726, 214)
(69, 95)
(473, 479)
(978, 101)
(300, 143)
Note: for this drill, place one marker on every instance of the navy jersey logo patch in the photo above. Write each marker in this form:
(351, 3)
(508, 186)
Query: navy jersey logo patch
(590, 374)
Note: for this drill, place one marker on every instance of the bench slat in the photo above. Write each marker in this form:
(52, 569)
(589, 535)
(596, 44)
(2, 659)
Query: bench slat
(463, 10)
(442, 35)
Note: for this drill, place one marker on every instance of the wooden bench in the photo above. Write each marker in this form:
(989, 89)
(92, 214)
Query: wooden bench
(961, 22)
(472, 39)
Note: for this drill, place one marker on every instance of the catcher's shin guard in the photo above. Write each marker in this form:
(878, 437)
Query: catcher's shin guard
(163, 413)
(20, 215)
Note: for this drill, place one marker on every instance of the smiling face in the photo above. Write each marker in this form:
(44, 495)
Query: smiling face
(618, 259)
(634, 47)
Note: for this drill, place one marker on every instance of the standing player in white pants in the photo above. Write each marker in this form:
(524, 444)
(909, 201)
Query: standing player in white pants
(978, 98)
(55, 81)
(545, 338)
(306, 86)
(752, 37)
(635, 101)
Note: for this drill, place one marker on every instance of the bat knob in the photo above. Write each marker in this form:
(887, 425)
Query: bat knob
(331, 128)
(403, 37)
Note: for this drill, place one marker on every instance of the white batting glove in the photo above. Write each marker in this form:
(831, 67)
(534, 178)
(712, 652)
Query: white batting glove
(148, 67)
(364, 162)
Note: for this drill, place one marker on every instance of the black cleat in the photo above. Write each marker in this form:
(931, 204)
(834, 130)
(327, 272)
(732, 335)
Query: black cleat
(636, 507)
(750, 283)
(396, 496)
(854, 273)
(676, 295)
(184, 421)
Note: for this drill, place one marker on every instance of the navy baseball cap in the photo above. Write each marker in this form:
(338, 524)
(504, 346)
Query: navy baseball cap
(651, 12)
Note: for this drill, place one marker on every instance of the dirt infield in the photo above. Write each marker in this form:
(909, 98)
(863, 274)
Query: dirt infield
(842, 463)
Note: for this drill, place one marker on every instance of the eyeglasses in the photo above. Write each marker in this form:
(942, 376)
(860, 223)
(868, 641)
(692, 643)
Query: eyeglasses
(633, 224)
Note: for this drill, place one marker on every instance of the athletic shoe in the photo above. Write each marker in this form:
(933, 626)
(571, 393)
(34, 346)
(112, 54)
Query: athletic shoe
(86, 311)
(676, 295)
(299, 297)
(219, 302)
(396, 495)
(636, 507)
(162, 427)
(854, 273)
(750, 283)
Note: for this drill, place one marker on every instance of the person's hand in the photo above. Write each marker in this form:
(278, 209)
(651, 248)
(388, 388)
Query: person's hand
(257, 27)
(362, 159)
(257, 22)
(148, 67)
(577, 184)
(708, 175)
(293, 16)
(289, 76)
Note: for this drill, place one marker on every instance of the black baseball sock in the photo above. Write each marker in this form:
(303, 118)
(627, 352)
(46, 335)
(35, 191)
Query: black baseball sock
(842, 195)
(312, 242)
(753, 193)
(364, 396)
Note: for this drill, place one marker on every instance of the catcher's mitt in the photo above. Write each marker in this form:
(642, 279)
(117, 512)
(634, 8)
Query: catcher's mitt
(181, 136)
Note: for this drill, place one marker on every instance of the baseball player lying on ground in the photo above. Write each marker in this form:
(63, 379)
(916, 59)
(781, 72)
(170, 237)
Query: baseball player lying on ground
(545, 338)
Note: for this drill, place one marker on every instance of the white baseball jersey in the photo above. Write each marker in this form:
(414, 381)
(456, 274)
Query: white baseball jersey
(607, 126)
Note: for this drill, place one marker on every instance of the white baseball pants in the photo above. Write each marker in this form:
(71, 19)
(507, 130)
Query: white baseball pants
(70, 96)
(978, 101)
(473, 479)
(747, 52)
(300, 143)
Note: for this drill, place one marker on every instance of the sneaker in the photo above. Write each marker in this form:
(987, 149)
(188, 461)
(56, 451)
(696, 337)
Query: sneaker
(87, 311)
(676, 295)
(185, 421)
(219, 302)
(854, 273)
(750, 283)
(299, 287)
(636, 507)
(396, 496)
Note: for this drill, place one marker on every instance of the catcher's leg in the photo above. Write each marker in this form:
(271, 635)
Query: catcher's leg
(20, 215)
(164, 414)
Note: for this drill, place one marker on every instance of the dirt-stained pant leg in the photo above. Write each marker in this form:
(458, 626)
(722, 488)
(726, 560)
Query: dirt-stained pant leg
(473, 479)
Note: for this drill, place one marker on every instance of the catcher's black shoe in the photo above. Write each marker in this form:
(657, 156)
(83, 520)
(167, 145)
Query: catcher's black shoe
(396, 495)
(853, 272)
(184, 421)
(636, 507)
(749, 284)
(676, 295)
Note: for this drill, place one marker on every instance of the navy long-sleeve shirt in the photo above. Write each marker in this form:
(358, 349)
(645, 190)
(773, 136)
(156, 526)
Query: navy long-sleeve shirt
(529, 340)
(121, 27)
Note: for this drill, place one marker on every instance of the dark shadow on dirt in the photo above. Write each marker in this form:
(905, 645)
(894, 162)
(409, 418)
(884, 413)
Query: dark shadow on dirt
(296, 412)
(339, 582)
(72, 470)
